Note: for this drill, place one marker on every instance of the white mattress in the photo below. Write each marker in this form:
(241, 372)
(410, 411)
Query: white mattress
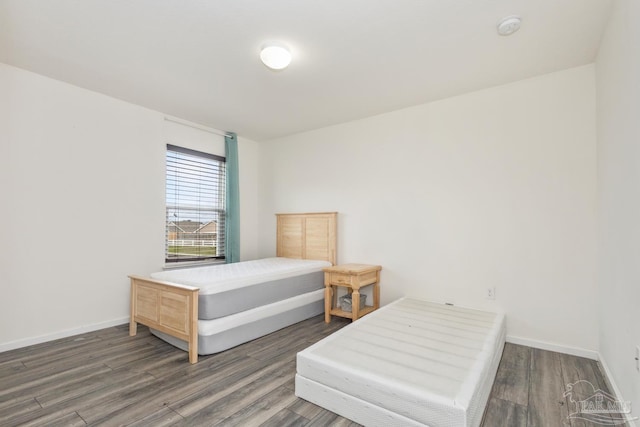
(221, 334)
(224, 277)
(430, 363)
(211, 327)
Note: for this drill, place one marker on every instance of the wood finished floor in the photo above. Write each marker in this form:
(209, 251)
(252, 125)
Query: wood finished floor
(106, 378)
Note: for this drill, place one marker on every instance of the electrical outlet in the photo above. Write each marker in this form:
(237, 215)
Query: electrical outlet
(491, 293)
(638, 358)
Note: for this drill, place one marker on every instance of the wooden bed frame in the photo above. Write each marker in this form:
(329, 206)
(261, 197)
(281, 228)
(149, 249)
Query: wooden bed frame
(173, 308)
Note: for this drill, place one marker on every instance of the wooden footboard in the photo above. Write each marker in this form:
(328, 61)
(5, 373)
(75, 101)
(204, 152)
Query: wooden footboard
(167, 307)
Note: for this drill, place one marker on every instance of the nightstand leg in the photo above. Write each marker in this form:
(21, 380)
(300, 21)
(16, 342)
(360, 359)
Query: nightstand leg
(355, 304)
(327, 303)
(376, 292)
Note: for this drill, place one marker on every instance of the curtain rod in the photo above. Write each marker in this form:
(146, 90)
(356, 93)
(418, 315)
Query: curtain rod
(196, 126)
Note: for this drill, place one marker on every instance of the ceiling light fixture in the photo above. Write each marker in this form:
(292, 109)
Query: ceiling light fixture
(275, 56)
(509, 25)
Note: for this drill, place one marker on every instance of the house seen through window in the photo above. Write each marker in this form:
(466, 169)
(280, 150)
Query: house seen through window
(195, 205)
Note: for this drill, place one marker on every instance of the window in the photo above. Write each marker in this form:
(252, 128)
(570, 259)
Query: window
(195, 205)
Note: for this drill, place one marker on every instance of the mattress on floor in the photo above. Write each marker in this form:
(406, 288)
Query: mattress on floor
(217, 335)
(232, 288)
(411, 362)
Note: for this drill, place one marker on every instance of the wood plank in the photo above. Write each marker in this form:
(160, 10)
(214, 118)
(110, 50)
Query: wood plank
(327, 418)
(71, 419)
(159, 360)
(344, 422)
(138, 402)
(93, 351)
(57, 417)
(44, 349)
(261, 409)
(305, 409)
(74, 387)
(271, 353)
(291, 383)
(196, 402)
(572, 374)
(324, 418)
(46, 376)
(10, 367)
(285, 418)
(547, 406)
(280, 340)
(116, 361)
(120, 384)
(14, 408)
(242, 397)
(504, 413)
(82, 345)
(512, 380)
(160, 418)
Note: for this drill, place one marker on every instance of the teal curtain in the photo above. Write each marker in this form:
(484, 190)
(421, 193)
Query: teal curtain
(232, 225)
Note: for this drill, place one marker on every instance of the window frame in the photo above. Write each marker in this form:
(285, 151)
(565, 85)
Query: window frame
(218, 210)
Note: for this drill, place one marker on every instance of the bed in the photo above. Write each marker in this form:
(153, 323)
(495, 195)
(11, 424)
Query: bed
(410, 363)
(205, 310)
(226, 289)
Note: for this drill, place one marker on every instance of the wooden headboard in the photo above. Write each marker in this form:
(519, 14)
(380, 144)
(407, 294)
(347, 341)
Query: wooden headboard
(307, 236)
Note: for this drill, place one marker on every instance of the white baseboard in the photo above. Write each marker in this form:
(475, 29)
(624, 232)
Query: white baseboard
(559, 348)
(12, 345)
(614, 386)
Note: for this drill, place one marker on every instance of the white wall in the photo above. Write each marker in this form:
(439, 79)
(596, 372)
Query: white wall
(493, 188)
(82, 205)
(618, 98)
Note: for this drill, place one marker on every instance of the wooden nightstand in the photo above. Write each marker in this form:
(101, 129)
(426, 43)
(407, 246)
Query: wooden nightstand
(354, 277)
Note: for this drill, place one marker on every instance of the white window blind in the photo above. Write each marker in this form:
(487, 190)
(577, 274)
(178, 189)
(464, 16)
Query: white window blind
(195, 205)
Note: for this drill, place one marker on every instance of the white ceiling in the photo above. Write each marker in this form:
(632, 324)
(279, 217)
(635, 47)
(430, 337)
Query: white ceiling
(198, 59)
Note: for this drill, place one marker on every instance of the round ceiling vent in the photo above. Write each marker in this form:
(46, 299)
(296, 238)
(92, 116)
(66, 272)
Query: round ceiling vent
(509, 25)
